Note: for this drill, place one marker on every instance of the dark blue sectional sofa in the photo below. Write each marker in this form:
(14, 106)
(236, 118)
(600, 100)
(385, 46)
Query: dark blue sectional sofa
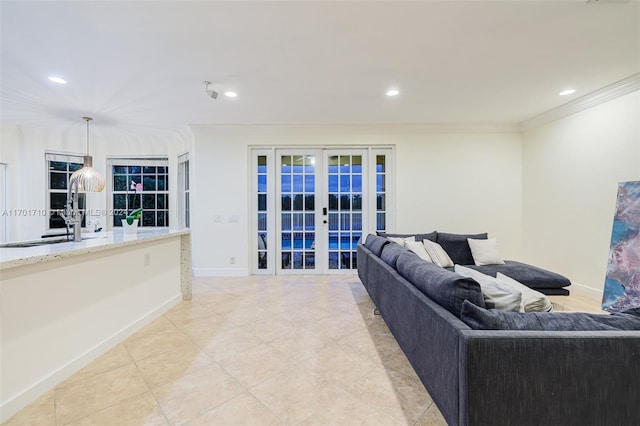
(456, 245)
(499, 377)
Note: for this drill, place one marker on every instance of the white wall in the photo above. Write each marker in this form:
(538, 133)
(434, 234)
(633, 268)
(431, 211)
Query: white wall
(457, 182)
(55, 320)
(23, 149)
(571, 169)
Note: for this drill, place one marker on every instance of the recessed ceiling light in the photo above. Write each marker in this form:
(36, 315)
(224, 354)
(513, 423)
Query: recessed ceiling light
(58, 80)
(230, 94)
(393, 92)
(567, 92)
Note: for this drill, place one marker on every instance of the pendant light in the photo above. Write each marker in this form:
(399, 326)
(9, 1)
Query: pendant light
(88, 178)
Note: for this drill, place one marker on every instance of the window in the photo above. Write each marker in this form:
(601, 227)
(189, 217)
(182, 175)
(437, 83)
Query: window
(183, 190)
(59, 169)
(140, 183)
(262, 211)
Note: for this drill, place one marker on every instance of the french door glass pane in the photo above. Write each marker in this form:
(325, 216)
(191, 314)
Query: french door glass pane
(262, 212)
(297, 189)
(344, 183)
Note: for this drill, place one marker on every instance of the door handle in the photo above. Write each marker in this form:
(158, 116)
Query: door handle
(324, 212)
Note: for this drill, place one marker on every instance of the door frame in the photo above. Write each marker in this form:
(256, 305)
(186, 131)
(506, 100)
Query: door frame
(370, 213)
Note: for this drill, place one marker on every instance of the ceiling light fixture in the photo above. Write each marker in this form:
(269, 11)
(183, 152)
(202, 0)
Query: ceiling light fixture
(393, 92)
(58, 80)
(209, 91)
(567, 92)
(88, 178)
(230, 94)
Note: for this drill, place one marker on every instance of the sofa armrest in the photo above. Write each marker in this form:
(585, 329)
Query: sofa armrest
(549, 378)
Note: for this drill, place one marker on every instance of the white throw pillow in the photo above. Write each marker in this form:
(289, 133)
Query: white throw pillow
(532, 300)
(437, 254)
(497, 295)
(418, 248)
(401, 241)
(485, 252)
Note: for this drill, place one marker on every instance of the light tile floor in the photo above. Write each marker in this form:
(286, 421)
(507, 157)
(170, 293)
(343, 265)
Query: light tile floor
(254, 351)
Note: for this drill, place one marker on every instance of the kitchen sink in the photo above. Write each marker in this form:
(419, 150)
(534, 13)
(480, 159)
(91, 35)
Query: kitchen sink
(32, 243)
(43, 242)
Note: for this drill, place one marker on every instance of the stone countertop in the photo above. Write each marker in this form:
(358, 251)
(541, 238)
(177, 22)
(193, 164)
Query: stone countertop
(11, 257)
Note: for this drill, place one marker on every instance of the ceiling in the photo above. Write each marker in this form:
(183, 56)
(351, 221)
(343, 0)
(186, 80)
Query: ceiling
(141, 63)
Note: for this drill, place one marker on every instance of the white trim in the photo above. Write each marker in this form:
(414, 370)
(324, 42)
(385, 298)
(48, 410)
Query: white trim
(607, 93)
(15, 404)
(359, 129)
(220, 272)
(586, 291)
(149, 161)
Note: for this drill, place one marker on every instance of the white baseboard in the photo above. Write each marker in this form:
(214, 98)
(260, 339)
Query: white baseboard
(220, 272)
(585, 291)
(18, 402)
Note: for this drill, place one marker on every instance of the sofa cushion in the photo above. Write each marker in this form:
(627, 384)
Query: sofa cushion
(418, 248)
(457, 246)
(496, 294)
(485, 252)
(375, 244)
(390, 254)
(483, 319)
(532, 301)
(431, 236)
(402, 241)
(529, 275)
(437, 254)
(444, 287)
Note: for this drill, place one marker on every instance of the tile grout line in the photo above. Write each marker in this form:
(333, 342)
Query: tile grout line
(150, 390)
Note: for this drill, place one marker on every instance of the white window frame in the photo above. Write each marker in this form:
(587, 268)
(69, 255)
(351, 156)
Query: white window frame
(65, 158)
(184, 192)
(271, 215)
(160, 161)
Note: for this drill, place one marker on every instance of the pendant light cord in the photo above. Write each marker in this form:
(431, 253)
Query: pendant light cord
(87, 119)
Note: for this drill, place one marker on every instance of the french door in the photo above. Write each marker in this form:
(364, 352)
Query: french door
(311, 208)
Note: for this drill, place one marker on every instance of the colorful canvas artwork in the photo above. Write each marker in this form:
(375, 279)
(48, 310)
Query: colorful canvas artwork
(622, 284)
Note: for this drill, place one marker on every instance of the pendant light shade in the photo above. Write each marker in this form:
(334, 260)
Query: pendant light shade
(88, 178)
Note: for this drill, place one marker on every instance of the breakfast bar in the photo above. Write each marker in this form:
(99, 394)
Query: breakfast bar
(63, 304)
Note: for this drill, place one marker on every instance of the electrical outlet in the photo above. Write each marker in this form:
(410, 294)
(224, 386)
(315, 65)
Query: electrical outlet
(147, 259)
(232, 260)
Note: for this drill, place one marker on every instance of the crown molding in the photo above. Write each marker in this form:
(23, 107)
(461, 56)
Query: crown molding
(359, 128)
(607, 93)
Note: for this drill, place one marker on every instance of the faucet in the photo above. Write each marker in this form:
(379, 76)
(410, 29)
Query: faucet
(72, 216)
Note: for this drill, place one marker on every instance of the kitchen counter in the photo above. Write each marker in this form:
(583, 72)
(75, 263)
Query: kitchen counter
(64, 304)
(91, 242)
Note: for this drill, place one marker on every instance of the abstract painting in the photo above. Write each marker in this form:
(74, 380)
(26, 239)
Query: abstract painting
(622, 284)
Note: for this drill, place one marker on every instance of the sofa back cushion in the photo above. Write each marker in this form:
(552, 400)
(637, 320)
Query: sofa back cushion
(457, 246)
(375, 243)
(482, 319)
(391, 252)
(431, 236)
(444, 287)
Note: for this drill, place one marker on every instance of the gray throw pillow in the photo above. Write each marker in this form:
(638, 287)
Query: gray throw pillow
(457, 246)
